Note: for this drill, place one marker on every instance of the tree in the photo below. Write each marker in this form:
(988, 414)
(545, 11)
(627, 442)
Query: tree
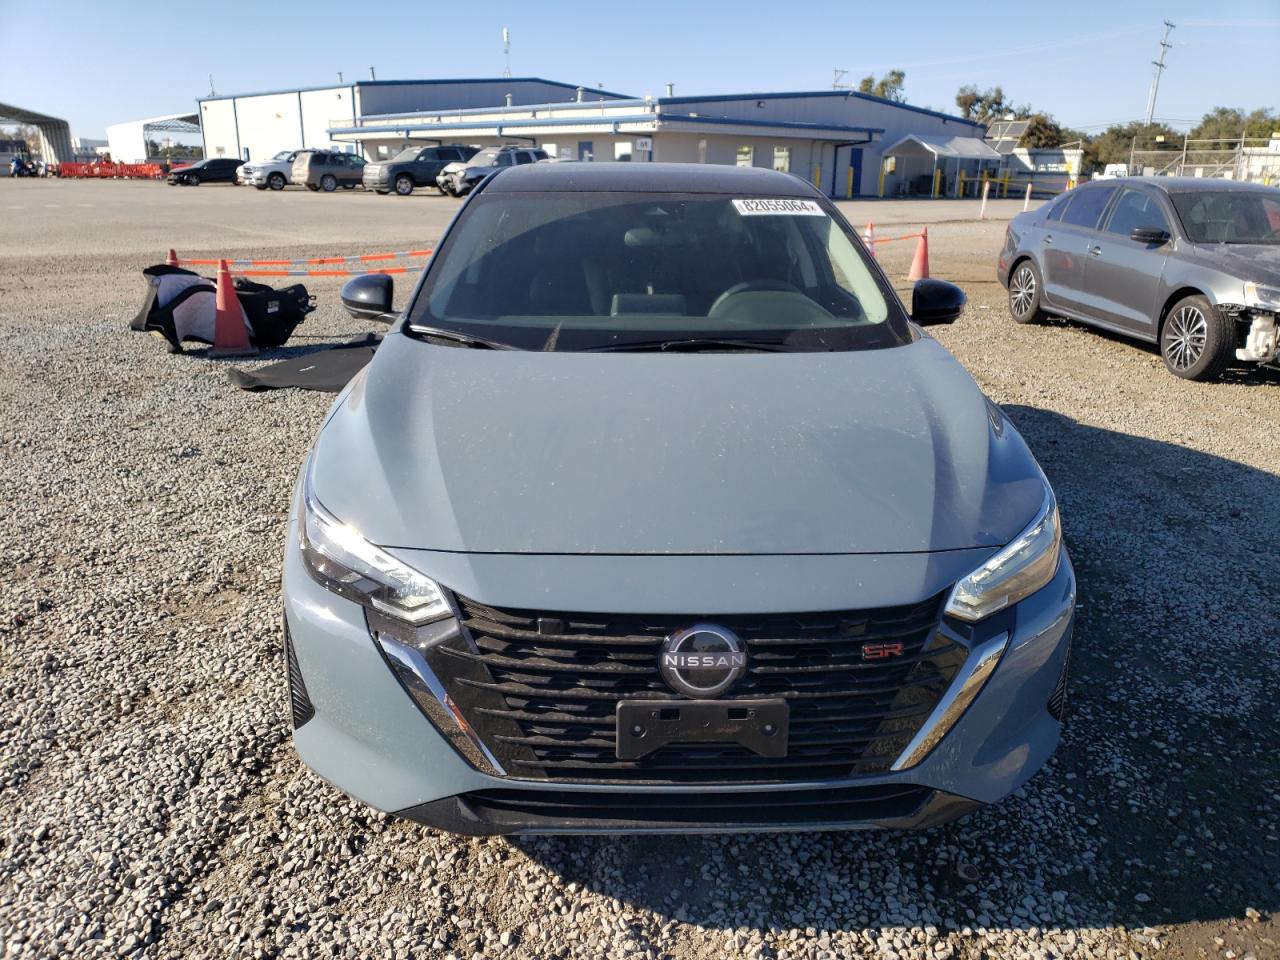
(1115, 144)
(888, 87)
(1045, 132)
(984, 106)
(1227, 123)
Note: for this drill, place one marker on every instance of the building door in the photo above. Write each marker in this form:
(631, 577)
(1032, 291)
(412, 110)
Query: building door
(585, 151)
(855, 168)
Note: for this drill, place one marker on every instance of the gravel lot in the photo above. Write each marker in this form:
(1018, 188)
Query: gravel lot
(151, 802)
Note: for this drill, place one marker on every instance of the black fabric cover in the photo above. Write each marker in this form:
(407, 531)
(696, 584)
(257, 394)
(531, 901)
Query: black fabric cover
(180, 305)
(327, 371)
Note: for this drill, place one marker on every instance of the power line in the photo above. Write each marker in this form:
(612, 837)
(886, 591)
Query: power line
(1165, 47)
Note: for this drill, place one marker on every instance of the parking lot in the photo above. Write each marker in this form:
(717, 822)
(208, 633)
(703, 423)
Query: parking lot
(152, 802)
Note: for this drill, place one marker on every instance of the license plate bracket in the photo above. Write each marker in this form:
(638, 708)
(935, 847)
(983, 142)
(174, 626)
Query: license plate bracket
(648, 725)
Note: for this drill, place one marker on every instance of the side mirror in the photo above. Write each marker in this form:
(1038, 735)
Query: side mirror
(936, 301)
(369, 297)
(1149, 235)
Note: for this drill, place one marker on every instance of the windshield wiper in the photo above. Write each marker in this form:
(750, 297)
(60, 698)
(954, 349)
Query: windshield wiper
(695, 344)
(466, 339)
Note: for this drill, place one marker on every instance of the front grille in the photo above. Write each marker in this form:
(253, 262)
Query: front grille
(299, 703)
(542, 690)
(773, 808)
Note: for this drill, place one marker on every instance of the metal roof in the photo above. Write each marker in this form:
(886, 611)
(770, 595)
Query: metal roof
(962, 148)
(347, 85)
(55, 133)
(802, 94)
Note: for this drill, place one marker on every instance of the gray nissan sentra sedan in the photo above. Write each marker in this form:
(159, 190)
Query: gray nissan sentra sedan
(656, 511)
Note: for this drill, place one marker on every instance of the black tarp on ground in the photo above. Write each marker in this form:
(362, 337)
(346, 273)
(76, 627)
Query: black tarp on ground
(180, 305)
(327, 371)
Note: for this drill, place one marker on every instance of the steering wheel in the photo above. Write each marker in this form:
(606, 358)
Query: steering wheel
(750, 286)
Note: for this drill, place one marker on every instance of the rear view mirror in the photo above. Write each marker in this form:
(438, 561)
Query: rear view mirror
(1154, 235)
(369, 297)
(936, 301)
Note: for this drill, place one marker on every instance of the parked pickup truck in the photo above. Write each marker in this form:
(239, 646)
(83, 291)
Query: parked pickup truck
(413, 167)
(273, 173)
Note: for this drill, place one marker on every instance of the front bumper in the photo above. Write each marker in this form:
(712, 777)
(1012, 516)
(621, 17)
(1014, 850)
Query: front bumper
(368, 738)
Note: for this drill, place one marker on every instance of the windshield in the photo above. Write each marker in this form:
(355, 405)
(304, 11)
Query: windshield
(283, 155)
(408, 153)
(484, 158)
(1229, 216)
(582, 271)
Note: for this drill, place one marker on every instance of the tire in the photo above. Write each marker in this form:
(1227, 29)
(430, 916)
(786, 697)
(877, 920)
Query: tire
(1195, 342)
(276, 181)
(312, 187)
(1024, 292)
(328, 183)
(193, 180)
(404, 185)
(382, 193)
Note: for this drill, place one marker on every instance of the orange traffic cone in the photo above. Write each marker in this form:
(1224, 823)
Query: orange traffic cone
(870, 237)
(920, 263)
(230, 336)
(172, 259)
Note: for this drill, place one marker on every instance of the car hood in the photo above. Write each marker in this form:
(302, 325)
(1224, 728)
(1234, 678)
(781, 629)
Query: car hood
(884, 451)
(1248, 261)
(454, 167)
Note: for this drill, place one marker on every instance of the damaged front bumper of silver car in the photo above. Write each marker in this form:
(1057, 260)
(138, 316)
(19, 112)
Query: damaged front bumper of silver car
(1260, 309)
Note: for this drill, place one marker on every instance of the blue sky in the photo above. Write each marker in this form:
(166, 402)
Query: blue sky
(96, 63)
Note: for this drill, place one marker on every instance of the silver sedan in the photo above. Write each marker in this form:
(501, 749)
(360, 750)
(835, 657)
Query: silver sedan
(1190, 264)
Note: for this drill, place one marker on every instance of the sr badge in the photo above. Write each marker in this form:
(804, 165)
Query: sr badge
(702, 661)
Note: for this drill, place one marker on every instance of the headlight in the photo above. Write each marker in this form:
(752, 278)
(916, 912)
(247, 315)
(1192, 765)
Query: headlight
(349, 565)
(1016, 572)
(1261, 297)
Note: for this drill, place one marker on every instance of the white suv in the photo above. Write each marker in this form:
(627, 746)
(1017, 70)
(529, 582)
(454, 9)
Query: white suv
(273, 173)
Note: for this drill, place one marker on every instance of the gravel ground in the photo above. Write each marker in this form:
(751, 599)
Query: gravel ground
(151, 802)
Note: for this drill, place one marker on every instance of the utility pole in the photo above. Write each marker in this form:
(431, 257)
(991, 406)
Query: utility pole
(1165, 47)
(506, 50)
(837, 76)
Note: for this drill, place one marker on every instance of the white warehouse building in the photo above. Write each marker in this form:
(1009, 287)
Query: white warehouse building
(253, 126)
(848, 143)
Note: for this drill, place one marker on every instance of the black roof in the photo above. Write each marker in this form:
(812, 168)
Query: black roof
(649, 178)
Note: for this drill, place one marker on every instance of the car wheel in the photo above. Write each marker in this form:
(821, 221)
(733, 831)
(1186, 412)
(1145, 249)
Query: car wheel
(382, 193)
(328, 183)
(1195, 342)
(193, 180)
(276, 181)
(404, 185)
(1024, 293)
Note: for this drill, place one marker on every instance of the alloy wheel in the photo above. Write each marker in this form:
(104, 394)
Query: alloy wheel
(1185, 337)
(1022, 290)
